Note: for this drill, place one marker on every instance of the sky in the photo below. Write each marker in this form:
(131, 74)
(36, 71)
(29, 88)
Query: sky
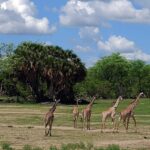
(91, 28)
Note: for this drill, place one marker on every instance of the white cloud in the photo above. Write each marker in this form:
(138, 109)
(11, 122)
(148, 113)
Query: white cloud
(137, 55)
(78, 13)
(92, 13)
(124, 46)
(19, 16)
(117, 44)
(82, 48)
(89, 33)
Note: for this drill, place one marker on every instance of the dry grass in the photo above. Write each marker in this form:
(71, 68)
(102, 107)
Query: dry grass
(21, 125)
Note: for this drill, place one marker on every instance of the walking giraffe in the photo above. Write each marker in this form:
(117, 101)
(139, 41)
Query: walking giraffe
(75, 113)
(110, 113)
(86, 114)
(128, 113)
(49, 117)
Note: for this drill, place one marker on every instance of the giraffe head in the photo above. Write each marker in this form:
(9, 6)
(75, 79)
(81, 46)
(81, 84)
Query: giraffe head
(120, 98)
(56, 101)
(141, 94)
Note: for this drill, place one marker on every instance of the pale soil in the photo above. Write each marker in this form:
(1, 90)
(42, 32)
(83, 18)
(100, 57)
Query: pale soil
(19, 135)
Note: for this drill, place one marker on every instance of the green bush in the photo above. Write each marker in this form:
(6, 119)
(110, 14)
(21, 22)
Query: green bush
(27, 147)
(70, 146)
(6, 146)
(53, 148)
(113, 147)
(37, 148)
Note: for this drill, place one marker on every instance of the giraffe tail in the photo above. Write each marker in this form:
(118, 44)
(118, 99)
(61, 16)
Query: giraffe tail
(81, 118)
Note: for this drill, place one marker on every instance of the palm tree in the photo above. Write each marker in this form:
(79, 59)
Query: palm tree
(47, 70)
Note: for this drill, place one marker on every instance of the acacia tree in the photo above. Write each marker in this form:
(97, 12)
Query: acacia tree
(114, 69)
(47, 70)
(108, 78)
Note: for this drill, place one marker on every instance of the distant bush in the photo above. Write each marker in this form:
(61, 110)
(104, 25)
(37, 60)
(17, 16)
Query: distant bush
(6, 146)
(70, 146)
(82, 146)
(27, 147)
(113, 147)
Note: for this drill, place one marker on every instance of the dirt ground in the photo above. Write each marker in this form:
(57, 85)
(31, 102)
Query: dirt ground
(20, 135)
(20, 126)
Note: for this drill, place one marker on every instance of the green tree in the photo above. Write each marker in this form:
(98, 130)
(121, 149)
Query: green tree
(137, 75)
(6, 82)
(47, 70)
(115, 70)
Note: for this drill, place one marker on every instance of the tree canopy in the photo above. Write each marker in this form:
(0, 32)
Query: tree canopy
(115, 75)
(40, 72)
(47, 70)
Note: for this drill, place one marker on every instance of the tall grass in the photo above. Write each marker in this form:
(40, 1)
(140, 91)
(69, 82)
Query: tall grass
(71, 146)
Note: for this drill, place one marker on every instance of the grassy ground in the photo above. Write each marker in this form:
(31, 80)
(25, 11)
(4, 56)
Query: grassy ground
(22, 124)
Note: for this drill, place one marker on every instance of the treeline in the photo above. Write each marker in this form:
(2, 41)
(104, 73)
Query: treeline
(39, 72)
(115, 75)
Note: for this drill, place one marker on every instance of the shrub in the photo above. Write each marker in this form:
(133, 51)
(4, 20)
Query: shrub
(6, 146)
(27, 147)
(53, 148)
(113, 147)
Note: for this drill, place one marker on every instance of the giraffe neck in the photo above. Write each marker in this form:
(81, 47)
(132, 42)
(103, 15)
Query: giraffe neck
(91, 104)
(135, 102)
(117, 103)
(52, 109)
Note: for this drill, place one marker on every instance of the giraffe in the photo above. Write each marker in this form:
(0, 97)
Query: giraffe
(75, 113)
(110, 113)
(128, 113)
(49, 117)
(86, 114)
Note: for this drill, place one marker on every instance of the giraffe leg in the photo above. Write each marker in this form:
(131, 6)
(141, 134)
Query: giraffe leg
(115, 127)
(76, 123)
(89, 119)
(81, 119)
(133, 117)
(113, 123)
(113, 118)
(77, 120)
(124, 122)
(46, 132)
(103, 124)
(88, 124)
(84, 123)
(127, 123)
(102, 127)
(118, 124)
(50, 126)
(73, 123)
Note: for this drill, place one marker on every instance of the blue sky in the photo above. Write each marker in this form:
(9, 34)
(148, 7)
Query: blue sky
(91, 28)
